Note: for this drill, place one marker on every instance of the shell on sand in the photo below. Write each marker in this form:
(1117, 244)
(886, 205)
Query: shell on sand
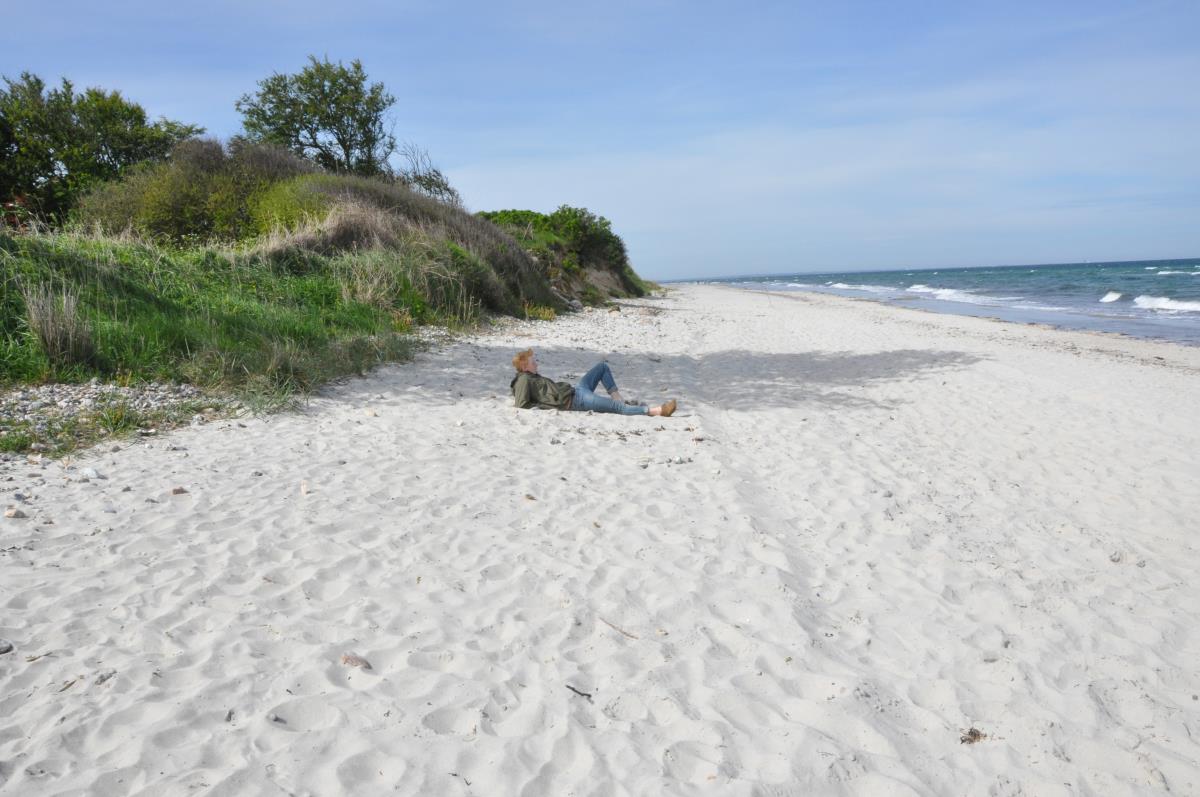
(354, 660)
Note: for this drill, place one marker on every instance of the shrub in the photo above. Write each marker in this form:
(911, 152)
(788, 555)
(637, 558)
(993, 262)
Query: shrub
(205, 191)
(568, 240)
(287, 205)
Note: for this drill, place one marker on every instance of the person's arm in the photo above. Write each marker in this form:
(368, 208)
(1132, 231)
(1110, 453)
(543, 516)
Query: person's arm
(521, 393)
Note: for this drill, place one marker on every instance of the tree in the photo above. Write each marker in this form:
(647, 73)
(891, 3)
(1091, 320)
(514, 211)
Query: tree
(56, 144)
(325, 112)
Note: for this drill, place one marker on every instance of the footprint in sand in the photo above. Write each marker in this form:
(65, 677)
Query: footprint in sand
(370, 771)
(305, 714)
(626, 708)
(692, 762)
(461, 721)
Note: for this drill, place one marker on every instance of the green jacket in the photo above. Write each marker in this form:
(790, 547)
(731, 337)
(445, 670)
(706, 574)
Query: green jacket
(535, 390)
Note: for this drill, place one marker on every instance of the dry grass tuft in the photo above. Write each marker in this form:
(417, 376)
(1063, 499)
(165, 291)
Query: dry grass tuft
(55, 320)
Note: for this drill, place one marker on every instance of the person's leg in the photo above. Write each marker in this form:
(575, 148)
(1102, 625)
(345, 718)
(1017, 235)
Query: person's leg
(586, 399)
(600, 372)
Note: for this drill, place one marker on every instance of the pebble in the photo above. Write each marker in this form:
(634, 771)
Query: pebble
(13, 512)
(90, 473)
(178, 490)
(5, 647)
(37, 403)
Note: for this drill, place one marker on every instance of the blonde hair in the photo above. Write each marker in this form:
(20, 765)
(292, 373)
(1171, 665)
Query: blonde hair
(522, 358)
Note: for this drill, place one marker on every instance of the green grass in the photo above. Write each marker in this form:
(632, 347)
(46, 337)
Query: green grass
(207, 316)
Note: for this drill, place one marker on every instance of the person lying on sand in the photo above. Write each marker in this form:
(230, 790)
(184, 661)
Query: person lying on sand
(531, 389)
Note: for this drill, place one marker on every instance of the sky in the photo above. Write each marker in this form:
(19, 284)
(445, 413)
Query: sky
(728, 138)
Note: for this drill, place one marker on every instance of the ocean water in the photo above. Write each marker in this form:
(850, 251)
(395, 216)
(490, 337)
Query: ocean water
(1146, 299)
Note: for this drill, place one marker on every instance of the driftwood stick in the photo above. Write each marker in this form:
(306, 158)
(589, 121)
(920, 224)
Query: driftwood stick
(615, 628)
(581, 694)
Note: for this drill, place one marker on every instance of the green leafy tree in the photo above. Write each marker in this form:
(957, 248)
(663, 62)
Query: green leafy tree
(325, 112)
(56, 144)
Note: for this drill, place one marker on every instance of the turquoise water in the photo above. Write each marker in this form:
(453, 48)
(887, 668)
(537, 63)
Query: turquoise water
(1148, 298)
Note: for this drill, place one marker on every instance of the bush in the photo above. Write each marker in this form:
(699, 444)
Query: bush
(204, 192)
(570, 240)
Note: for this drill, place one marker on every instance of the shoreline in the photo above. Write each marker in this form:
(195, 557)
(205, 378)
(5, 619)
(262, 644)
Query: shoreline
(1086, 335)
(1073, 321)
(872, 553)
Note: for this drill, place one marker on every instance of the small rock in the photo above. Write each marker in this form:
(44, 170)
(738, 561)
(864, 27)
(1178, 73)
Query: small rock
(20, 497)
(126, 489)
(107, 675)
(1141, 563)
(256, 473)
(273, 717)
(5, 647)
(354, 660)
(304, 488)
(370, 413)
(178, 490)
(1115, 557)
(13, 512)
(90, 473)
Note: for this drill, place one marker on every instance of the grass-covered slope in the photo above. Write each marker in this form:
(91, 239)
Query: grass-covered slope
(284, 210)
(73, 307)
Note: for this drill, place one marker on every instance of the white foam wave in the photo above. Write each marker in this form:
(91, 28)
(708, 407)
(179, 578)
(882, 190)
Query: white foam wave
(1111, 296)
(1184, 273)
(868, 288)
(1166, 305)
(953, 295)
(1043, 307)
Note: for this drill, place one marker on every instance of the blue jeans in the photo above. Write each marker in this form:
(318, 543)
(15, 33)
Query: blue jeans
(586, 399)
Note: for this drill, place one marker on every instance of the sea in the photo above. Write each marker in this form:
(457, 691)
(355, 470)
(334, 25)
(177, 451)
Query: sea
(1157, 299)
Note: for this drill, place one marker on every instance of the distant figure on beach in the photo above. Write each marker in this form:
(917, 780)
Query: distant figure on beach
(531, 389)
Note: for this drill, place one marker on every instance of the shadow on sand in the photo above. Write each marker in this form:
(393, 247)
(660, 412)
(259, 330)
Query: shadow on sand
(727, 379)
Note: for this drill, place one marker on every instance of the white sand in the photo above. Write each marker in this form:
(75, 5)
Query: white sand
(867, 531)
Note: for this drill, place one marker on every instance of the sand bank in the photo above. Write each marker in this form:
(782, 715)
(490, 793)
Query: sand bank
(867, 532)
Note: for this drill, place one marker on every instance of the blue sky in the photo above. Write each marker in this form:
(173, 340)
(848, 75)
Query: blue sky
(725, 138)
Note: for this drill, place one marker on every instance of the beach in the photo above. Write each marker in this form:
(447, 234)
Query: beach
(876, 552)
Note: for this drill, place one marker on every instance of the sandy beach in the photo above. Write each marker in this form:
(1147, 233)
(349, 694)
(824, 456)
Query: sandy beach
(876, 552)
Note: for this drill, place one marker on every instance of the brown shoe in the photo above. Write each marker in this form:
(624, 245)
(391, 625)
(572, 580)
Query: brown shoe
(668, 409)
